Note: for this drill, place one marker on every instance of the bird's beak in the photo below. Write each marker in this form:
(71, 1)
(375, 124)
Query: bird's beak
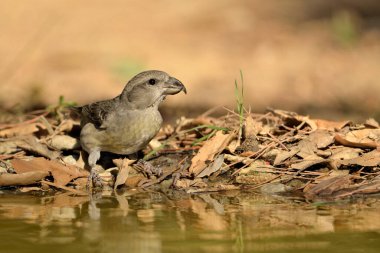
(174, 86)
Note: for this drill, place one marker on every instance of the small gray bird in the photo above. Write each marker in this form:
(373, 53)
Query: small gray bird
(128, 122)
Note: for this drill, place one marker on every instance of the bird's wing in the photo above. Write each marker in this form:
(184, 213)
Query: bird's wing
(98, 112)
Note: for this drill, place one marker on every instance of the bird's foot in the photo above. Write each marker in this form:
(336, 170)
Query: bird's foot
(148, 169)
(94, 180)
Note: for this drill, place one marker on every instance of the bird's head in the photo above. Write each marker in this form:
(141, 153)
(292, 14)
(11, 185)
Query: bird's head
(149, 88)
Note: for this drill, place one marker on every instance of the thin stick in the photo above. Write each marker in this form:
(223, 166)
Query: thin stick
(77, 192)
(5, 126)
(278, 141)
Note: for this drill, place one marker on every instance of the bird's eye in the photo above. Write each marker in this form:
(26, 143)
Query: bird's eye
(152, 81)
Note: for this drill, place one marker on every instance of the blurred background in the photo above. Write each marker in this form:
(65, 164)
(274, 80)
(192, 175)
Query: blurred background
(317, 57)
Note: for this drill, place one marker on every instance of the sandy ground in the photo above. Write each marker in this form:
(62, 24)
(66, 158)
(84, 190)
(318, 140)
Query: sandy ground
(310, 56)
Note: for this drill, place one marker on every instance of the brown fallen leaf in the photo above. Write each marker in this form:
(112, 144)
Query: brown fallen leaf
(61, 173)
(370, 159)
(22, 129)
(27, 178)
(364, 135)
(344, 153)
(308, 162)
(292, 119)
(251, 127)
(306, 148)
(331, 125)
(66, 126)
(213, 167)
(133, 181)
(80, 183)
(7, 147)
(321, 138)
(367, 188)
(31, 144)
(343, 141)
(207, 152)
(327, 187)
(284, 155)
(371, 122)
(123, 171)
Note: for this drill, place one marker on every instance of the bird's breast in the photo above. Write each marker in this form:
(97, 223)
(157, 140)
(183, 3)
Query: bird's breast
(133, 131)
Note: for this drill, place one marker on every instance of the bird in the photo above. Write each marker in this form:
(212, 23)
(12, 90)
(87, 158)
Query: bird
(127, 123)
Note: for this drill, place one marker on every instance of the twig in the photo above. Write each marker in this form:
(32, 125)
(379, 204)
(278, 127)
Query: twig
(77, 192)
(278, 141)
(26, 122)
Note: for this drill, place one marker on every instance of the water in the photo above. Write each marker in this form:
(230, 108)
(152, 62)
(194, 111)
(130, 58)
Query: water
(155, 222)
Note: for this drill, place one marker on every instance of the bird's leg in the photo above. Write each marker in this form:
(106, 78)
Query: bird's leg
(94, 179)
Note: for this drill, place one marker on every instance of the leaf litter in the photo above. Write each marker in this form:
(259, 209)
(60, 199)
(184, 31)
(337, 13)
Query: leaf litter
(278, 151)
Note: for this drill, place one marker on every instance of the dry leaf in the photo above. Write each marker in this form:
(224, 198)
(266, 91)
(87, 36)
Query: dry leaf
(306, 148)
(123, 172)
(341, 140)
(251, 127)
(284, 155)
(22, 129)
(215, 166)
(133, 181)
(66, 126)
(331, 125)
(321, 138)
(31, 144)
(308, 162)
(370, 159)
(367, 188)
(187, 183)
(80, 182)
(292, 119)
(232, 146)
(344, 153)
(372, 123)
(207, 152)
(327, 187)
(61, 173)
(26, 178)
(7, 147)
(364, 135)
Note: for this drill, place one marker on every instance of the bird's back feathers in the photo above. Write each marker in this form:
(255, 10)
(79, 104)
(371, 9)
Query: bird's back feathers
(98, 112)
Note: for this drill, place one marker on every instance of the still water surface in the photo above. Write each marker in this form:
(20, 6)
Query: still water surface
(156, 222)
